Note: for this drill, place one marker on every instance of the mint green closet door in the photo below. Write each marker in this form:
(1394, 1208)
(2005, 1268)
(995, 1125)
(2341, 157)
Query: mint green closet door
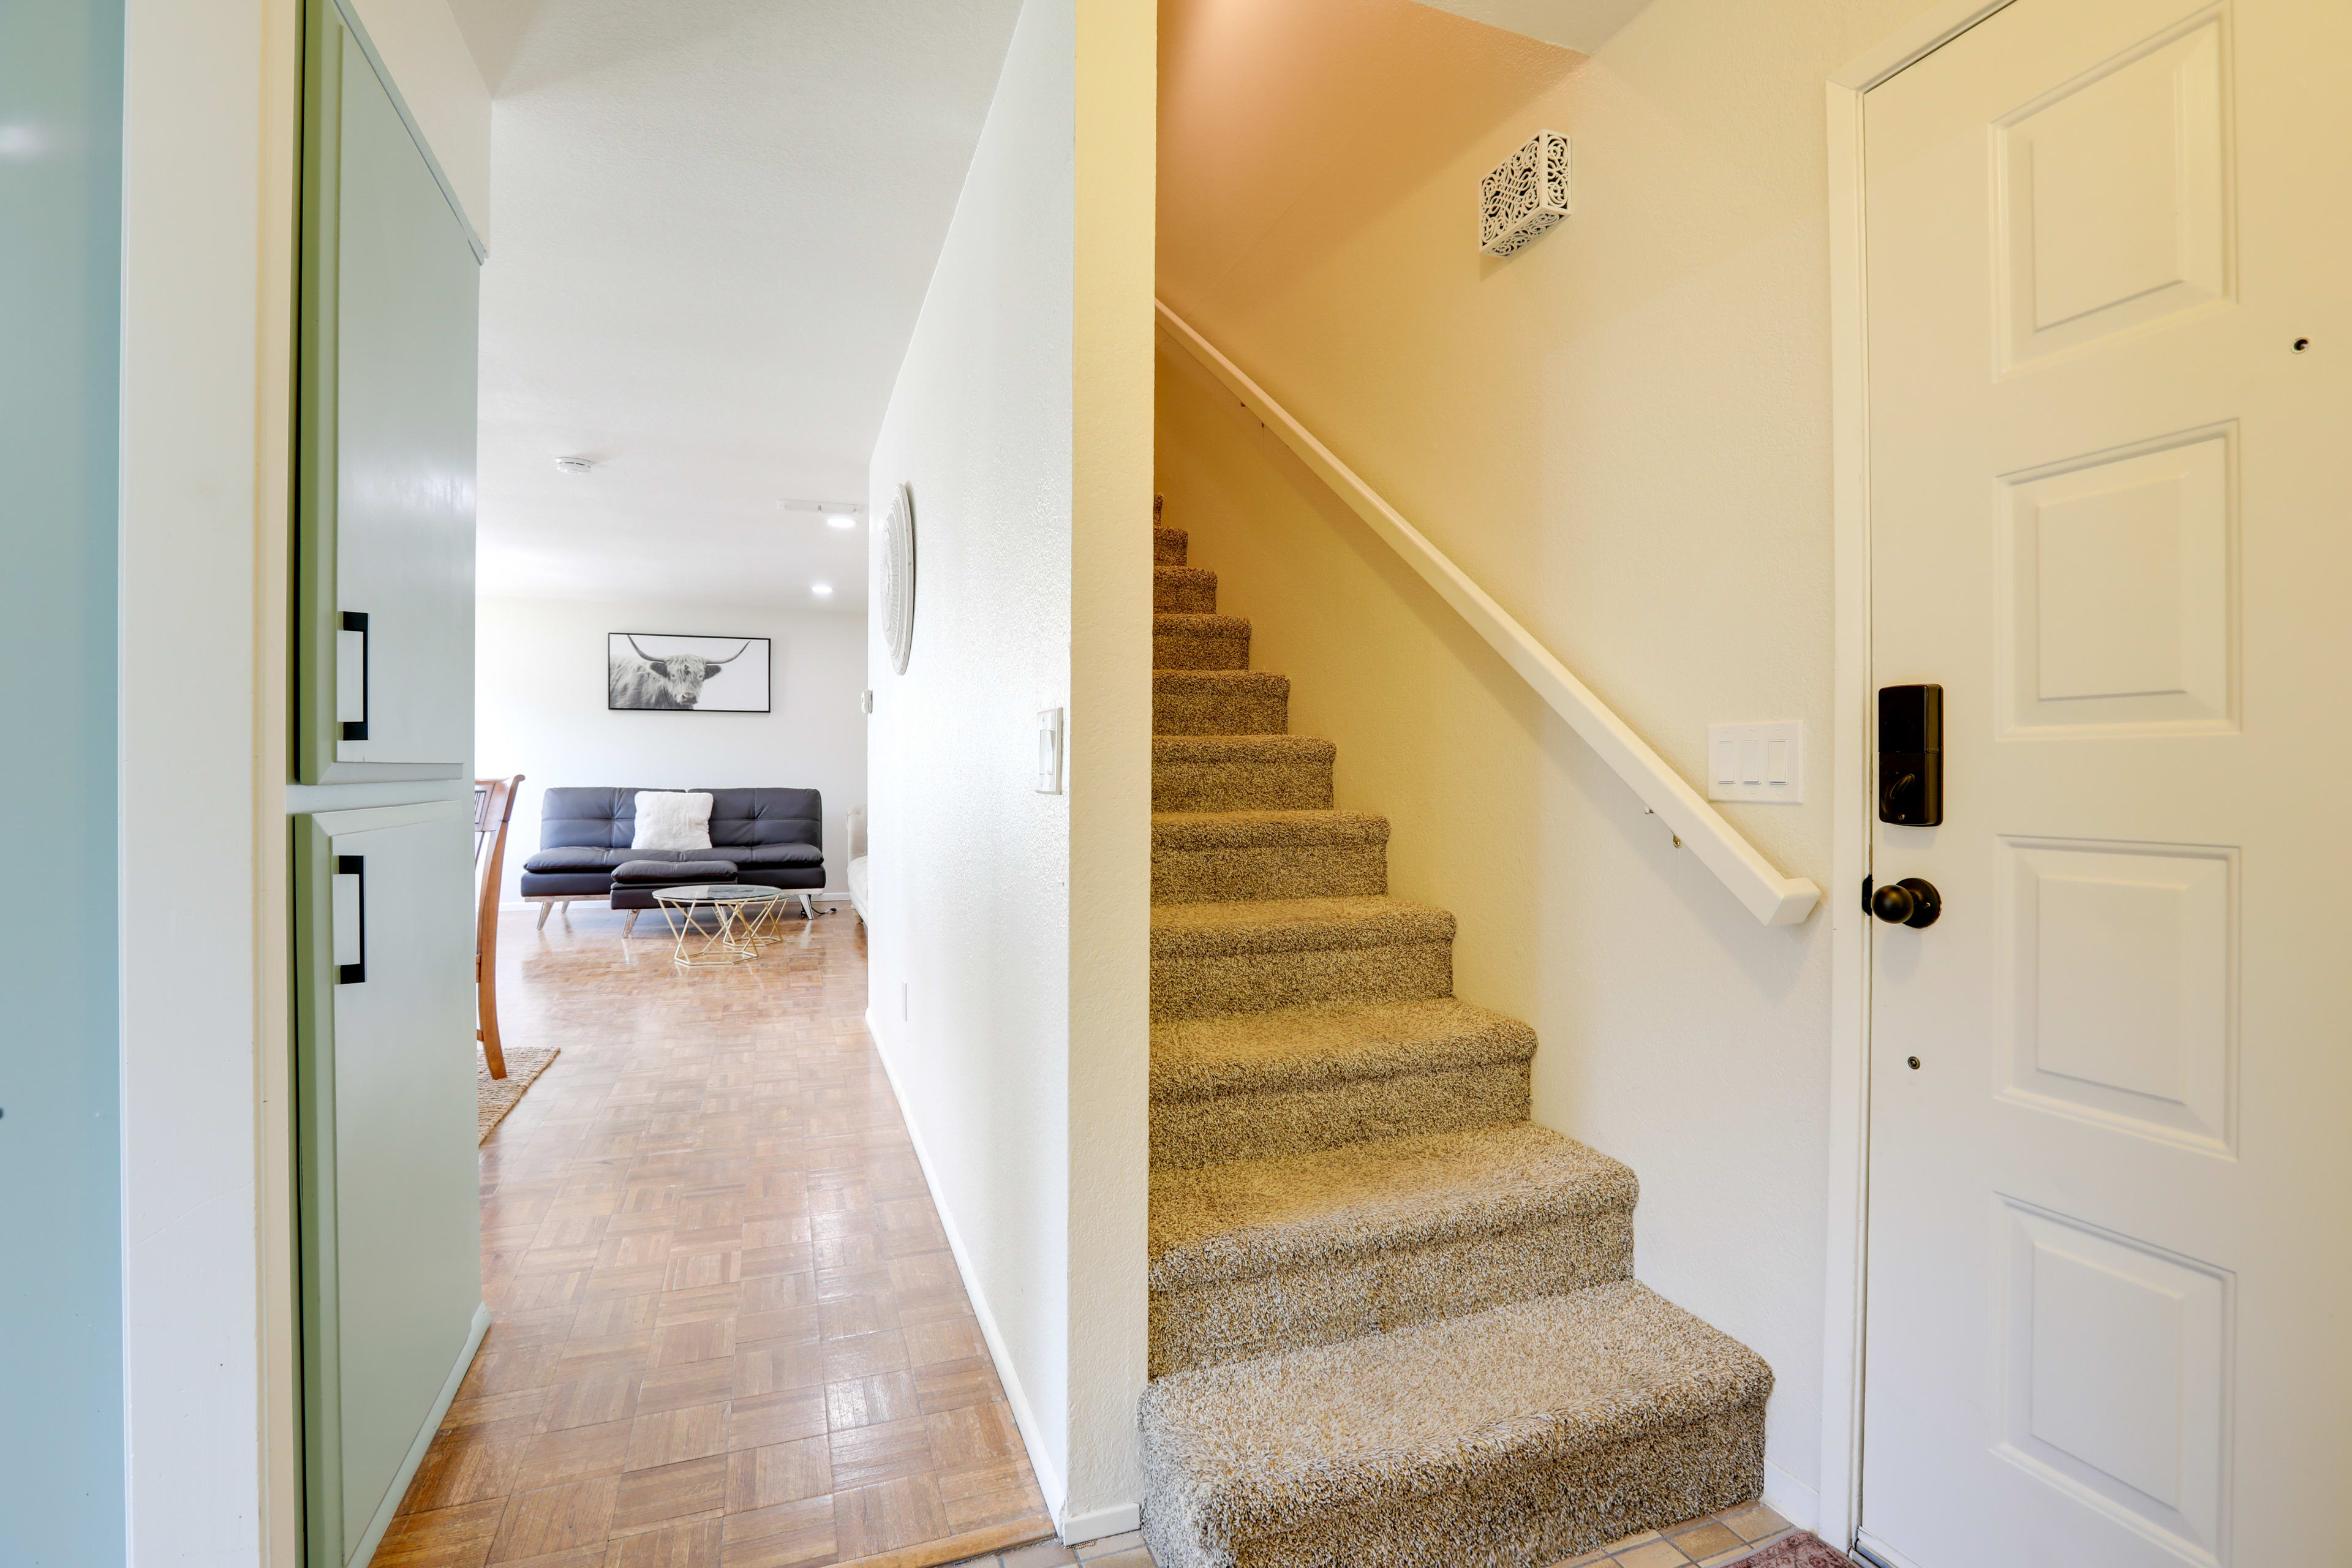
(382, 911)
(389, 345)
(387, 1182)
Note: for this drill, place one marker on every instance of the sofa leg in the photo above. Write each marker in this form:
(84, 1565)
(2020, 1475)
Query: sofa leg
(543, 907)
(808, 908)
(631, 924)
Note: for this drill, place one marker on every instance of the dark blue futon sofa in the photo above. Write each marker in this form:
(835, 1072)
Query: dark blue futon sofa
(768, 838)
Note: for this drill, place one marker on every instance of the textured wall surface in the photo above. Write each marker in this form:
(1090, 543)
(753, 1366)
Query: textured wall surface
(1622, 433)
(61, 1294)
(540, 710)
(1009, 925)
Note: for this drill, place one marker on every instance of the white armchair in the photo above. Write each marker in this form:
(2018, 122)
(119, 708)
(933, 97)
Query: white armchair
(857, 865)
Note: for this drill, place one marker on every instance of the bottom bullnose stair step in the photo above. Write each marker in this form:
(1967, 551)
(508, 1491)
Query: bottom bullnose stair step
(1507, 1438)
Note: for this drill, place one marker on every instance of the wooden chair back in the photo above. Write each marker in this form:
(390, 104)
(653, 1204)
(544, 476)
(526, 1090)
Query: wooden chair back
(493, 809)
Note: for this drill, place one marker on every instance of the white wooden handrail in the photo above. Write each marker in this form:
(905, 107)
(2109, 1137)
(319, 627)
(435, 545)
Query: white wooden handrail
(1769, 896)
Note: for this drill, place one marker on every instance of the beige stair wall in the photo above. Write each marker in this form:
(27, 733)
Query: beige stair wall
(1622, 433)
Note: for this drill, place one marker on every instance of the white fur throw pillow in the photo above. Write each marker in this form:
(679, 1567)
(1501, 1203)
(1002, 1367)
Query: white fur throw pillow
(672, 819)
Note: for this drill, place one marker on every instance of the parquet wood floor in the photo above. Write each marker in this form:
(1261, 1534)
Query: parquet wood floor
(727, 1331)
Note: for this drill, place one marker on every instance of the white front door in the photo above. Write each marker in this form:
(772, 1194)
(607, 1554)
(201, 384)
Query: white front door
(2110, 273)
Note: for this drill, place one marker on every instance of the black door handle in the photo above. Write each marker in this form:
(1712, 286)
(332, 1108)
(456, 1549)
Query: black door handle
(1913, 902)
(355, 866)
(357, 621)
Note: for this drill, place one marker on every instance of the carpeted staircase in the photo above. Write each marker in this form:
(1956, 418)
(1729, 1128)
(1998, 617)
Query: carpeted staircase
(1393, 1322)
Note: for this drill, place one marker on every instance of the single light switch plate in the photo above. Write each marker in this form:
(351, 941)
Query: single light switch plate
(1049, 750)
(1757, 762)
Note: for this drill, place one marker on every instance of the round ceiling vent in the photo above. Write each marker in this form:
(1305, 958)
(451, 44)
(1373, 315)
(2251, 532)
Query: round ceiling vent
(898, 577)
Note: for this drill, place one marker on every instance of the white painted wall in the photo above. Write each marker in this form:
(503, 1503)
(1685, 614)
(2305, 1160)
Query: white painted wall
(1009, 926)
(200, 113)
(428, 57)
(540, 695)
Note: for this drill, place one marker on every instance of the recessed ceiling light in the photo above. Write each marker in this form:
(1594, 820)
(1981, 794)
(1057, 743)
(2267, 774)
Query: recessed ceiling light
(822, 590)
(574, 465)
(840, 519)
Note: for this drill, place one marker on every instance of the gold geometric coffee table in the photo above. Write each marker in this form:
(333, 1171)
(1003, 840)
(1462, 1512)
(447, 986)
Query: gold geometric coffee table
(740, 912)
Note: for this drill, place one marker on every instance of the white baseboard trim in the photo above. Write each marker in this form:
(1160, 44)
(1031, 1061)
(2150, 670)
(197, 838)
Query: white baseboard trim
(1882, 1553)
(1078, 1529)
(407, 1472)
(1791, 1499)
(1049, 1479)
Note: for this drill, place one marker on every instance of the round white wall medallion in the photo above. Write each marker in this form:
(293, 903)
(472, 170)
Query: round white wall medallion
(898, 577)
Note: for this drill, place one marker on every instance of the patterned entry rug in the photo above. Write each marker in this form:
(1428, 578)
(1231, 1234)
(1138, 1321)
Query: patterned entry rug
(497, 1096)
(1801, 1550)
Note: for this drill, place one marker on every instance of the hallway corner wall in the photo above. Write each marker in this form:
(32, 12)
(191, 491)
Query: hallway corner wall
(206, 115)
(1009, 924)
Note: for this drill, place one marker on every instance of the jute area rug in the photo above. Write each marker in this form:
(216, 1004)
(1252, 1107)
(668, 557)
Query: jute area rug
(497, 1096)
(1798, 1551)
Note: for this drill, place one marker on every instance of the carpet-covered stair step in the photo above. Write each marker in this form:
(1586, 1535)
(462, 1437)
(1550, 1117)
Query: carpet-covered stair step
(1167, 546)
(1240, 772)
(1250, 1086)
(1199, 642)
(1258, 1256)
(1507, 1438)
(1248, 955)
(1198, 855)
(1183, 590)
(1219, 703)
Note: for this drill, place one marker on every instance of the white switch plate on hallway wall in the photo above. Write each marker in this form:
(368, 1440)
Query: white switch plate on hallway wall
(1757, 762)
(1049, 750)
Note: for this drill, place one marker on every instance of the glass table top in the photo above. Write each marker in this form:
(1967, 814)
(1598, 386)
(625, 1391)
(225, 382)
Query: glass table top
(716, 893)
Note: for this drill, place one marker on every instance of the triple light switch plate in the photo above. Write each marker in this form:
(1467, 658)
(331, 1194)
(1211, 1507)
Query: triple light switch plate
(1757, 762)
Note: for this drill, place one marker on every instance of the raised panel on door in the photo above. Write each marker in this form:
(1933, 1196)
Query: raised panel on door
(385, 547)
(386, 1136)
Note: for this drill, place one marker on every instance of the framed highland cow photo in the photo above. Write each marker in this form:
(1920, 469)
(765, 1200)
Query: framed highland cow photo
(663, 672)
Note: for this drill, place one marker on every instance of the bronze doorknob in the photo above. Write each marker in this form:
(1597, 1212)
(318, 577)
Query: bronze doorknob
(1913, 902)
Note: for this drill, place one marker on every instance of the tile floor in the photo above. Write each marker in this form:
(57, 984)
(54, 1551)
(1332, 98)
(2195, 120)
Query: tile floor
(1713, 1542)
(726, 1331)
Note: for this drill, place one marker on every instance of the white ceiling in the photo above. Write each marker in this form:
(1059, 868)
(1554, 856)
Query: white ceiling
(715, 220)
